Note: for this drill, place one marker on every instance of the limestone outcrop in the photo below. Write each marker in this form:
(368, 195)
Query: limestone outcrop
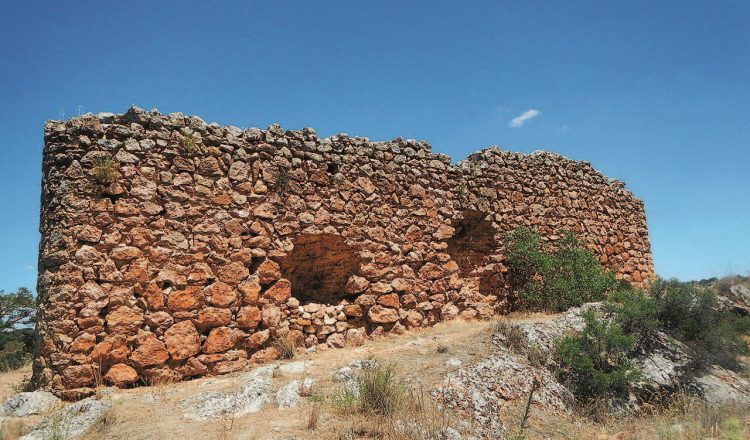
(172, 248)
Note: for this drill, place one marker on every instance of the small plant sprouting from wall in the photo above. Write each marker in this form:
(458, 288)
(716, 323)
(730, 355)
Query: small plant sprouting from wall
(281, 185)
(189, 143)
(462, 191)
(106, 170)
(89, 122)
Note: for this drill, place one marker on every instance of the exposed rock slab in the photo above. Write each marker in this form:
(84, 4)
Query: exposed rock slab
(30, 403)
(250, 397)
(71, 422)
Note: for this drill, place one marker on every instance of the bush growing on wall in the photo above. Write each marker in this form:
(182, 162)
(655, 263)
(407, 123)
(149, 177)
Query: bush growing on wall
(554, 280)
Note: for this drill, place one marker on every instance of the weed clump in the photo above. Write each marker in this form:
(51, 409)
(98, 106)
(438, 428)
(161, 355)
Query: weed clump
(381, 391)
(286, 345)
(188, 142)
(106, 170)
(511, 335)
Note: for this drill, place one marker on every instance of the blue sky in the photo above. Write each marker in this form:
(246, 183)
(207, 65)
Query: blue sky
(654, 93)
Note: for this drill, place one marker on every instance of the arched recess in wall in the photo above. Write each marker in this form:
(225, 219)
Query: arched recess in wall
(318, 267)
(472, 242)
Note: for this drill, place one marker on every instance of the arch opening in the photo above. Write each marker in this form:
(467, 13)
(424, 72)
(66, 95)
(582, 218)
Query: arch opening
(319, 267)
(472, 242)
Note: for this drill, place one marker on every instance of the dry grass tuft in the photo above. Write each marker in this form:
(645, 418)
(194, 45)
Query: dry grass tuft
(105, 427)
(286, 344)
(106, 170)
(683, 417)
(512, 335)
(387, 406)
(381, 391)
(188, 142)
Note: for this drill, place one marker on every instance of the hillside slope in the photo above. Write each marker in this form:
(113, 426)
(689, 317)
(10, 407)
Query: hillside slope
(468, 378)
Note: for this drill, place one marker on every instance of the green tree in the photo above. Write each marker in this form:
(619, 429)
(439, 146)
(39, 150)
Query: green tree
(16, 309)
(17, 313)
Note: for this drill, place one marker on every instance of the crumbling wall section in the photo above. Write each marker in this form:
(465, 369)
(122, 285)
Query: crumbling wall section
(172, 248)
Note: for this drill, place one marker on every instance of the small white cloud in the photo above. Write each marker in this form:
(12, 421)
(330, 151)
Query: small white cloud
(28, 267)
(521, 119)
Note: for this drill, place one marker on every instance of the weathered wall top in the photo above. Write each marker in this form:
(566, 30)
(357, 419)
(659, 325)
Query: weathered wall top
(172, 248)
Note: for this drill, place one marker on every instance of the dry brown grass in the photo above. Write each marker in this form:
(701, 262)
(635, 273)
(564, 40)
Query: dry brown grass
(417, 418)
(106, 170)
(106, 423)
(11, 429)
(387, 405)
(684, 418)
(14, 381)
(313, 417)
(286, 344)
(188, 142)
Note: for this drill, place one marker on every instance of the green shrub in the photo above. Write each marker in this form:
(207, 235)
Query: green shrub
(525, 259)
(691, 314)
(555, 280)
(684, 309)
(687, 312)
(722, 344)
(635, 313)
(594, 363)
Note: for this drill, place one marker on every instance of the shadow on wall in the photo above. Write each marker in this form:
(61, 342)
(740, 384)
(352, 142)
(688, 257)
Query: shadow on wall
(471, 245)
(319, 267)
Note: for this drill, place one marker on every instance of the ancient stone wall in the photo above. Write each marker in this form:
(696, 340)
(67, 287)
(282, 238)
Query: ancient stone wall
(172, 248)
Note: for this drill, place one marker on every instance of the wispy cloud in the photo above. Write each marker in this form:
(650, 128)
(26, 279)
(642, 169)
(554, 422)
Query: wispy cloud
(521, 119)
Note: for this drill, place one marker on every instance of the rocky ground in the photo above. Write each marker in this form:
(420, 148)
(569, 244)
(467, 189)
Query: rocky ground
(522, 352)
(477, 374)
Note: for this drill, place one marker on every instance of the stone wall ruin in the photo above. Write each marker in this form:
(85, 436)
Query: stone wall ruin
(172, 248)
